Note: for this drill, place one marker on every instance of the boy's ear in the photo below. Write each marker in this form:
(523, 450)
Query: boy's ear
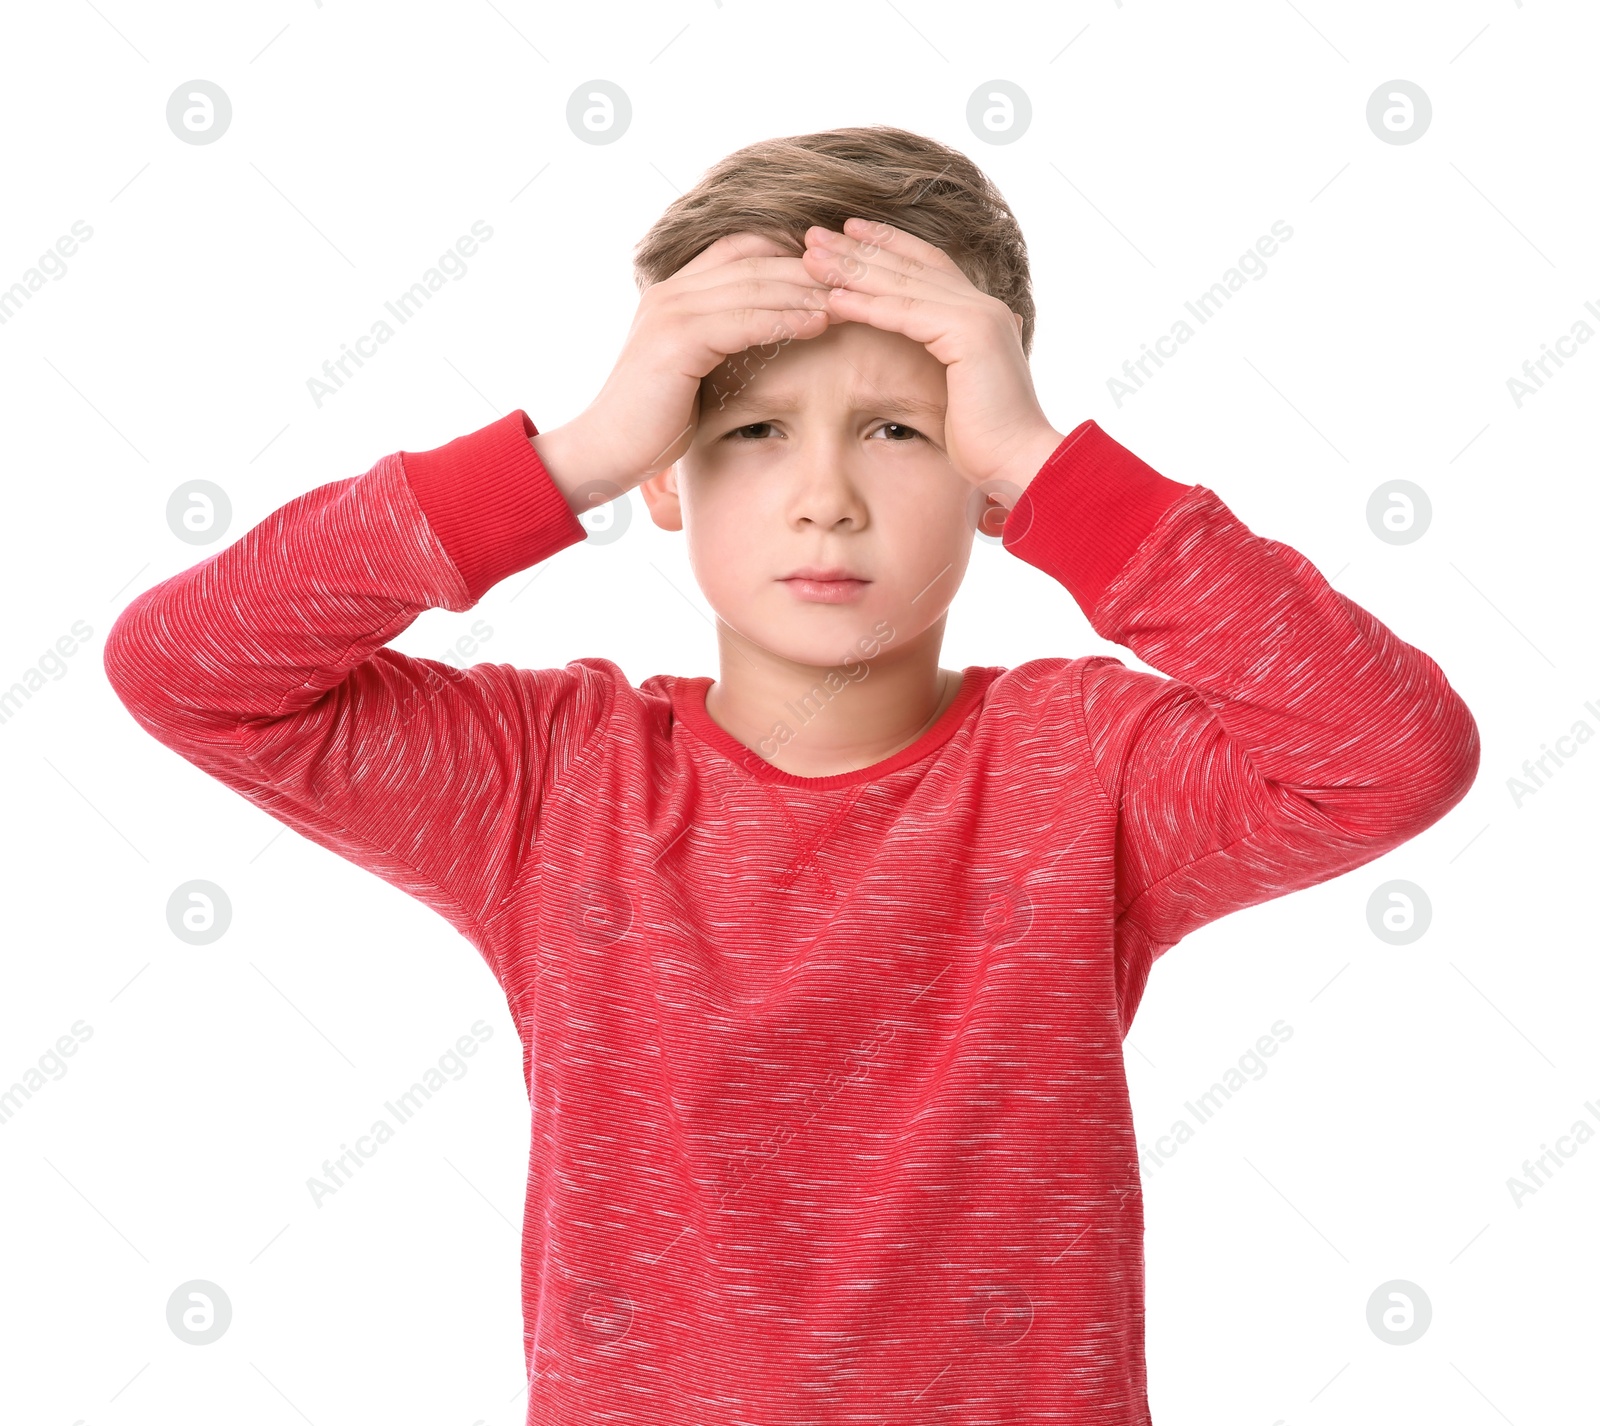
(661, 495)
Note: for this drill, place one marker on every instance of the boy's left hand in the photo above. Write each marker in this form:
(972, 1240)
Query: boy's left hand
(994, 428)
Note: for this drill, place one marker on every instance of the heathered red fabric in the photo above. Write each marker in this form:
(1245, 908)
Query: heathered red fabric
(829, 1119)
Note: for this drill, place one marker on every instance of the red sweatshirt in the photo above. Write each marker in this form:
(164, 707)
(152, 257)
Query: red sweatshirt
(829, 1119)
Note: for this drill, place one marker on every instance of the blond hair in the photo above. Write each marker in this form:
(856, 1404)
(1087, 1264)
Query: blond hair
(780, 187)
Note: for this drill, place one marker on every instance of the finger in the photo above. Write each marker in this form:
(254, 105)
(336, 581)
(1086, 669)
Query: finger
(883, 277)
(918, 318)
(883, 272)
(871, 241)
(730, 331)
(771, 294)
(731, 247)
(786, 268)
(873, 233)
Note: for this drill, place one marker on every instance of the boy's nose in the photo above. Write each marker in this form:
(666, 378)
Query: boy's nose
(825, 491)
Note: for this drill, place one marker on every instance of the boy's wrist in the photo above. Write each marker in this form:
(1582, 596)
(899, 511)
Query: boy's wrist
(493, 506)
(1087, 510)
(1028, 459)
(556, 454)
(576, 463)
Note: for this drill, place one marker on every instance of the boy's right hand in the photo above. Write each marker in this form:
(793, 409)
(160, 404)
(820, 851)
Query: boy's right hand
(744, 290)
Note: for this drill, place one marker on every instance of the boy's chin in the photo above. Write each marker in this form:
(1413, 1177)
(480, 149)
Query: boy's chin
(828, 637)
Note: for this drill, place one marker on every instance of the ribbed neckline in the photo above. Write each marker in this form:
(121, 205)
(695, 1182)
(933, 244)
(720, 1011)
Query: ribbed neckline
(689, 702)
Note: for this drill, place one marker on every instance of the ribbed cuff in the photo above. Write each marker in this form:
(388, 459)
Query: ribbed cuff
(1086, 512)
(491, 502)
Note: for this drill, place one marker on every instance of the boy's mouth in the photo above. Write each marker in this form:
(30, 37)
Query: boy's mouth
(825, 586)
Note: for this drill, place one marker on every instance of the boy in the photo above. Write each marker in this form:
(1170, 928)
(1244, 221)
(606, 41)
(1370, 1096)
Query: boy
(822, 969)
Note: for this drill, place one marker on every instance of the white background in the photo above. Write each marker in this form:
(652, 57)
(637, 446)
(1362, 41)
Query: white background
(1165, 139)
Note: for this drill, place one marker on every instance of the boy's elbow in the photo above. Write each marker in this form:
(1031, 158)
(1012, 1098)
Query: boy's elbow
(140, 668)
(1405, 781)
(1461, 769)
(1435, 768)
(120, 658)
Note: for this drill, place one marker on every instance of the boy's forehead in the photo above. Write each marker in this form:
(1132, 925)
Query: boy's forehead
(861, 373)
(891, 395)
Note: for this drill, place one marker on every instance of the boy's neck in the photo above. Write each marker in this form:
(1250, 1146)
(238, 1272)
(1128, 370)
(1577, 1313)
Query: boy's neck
(839, 719)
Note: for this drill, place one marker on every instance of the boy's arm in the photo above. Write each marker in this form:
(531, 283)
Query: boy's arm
(264, 665)
(1296, 738)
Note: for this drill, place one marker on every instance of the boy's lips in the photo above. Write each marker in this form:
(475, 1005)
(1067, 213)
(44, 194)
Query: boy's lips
(825, 586)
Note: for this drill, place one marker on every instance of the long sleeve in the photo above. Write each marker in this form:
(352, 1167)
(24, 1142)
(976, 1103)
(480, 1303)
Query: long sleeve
(265, 666)
(1295, 737)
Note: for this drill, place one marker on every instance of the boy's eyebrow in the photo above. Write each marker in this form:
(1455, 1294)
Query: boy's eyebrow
(861, 400)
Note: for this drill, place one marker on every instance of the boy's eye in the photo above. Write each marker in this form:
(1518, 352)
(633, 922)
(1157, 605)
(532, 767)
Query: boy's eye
(909, 433)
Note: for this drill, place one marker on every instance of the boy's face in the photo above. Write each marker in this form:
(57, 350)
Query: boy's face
(824, 454)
